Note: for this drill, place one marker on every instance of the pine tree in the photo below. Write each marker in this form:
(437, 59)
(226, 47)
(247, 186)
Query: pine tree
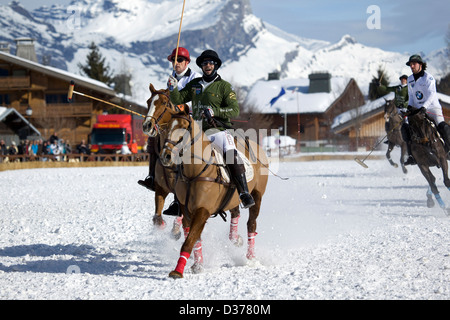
(95, 66)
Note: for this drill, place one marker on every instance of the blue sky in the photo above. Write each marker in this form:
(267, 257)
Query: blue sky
(402, 25)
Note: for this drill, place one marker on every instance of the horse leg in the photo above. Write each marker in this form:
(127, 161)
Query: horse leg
(251, 224)
(234, 237)
(198, 253)
(197, 224)
(177, 224)
(403, 151)
(430, 201)
(160, 197)
(432, 183)
(388, 154)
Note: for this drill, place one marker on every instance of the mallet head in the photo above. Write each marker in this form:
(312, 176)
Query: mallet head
(70, 93)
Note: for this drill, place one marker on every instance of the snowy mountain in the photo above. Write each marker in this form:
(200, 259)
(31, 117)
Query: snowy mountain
(136, 36)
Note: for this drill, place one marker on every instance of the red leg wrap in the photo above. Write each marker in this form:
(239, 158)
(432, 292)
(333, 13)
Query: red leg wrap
(184, 256)
(251, 245)
(198, 253)
(234, 229)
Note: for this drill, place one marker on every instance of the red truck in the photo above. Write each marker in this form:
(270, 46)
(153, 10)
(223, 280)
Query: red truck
(112, 130)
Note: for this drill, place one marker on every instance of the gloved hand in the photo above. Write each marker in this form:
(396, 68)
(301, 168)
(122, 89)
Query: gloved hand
(172, 83)
(403, 112)
(208, 113)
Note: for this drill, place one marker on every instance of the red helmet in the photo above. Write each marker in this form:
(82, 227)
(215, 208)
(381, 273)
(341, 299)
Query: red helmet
(182, 52)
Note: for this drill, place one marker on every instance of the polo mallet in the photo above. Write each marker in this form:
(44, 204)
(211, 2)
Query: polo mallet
(72, 91)
(361, 162)
(179, 34)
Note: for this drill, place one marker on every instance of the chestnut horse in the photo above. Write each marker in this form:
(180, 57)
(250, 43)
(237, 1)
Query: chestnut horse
(394, 135)
(160, 110)
(201, 187)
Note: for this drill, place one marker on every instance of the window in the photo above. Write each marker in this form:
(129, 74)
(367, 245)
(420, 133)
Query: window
(4, 99)
(56, 98)
(4, 72)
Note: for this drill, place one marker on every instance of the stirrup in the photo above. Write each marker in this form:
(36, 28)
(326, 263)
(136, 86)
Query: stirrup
(410, 161)
(173, 209)
(246, 200)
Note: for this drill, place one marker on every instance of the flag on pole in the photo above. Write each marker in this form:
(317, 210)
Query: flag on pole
(277, 97)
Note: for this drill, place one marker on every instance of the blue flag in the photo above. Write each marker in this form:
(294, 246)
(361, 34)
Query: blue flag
(277, 97)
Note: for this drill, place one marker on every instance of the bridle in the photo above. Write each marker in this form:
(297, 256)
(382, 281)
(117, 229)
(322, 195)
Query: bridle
(168, 106)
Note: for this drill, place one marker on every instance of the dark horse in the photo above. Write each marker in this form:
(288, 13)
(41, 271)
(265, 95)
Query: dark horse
(394, 123)
(427, 147)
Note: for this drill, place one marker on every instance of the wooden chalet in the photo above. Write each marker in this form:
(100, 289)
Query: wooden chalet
(304, 109)
(364, 126)
(39, 94)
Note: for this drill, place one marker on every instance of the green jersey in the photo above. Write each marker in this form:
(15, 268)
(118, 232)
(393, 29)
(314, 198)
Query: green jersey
(401, 94)
(219, 96)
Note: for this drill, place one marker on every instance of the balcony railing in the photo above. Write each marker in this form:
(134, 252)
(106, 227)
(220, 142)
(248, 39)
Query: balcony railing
(57, 110)
(14, 82)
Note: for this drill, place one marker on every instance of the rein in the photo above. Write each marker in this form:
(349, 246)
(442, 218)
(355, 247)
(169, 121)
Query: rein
(198, 177)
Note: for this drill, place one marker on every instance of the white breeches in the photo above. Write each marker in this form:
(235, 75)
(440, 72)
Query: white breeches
(222, 139)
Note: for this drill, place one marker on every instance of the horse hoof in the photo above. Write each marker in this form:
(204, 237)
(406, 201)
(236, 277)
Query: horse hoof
(176, 232)
(197, 268)
(238, 241)
(405, 171)
(395, 165)
(430, 203)
(175, 235)
(159, 222)
(175, 275)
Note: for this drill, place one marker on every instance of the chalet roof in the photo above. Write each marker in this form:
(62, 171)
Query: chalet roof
(58, 73)
(15, 121)
(296, 98)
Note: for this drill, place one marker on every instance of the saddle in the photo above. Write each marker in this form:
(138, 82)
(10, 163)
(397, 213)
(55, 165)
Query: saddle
(249, 173)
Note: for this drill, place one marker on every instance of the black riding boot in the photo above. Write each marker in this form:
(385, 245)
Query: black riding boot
(386, 127)
(444, 130)
(237, 171)
(173, 209)
(406, 135)
(149, 181)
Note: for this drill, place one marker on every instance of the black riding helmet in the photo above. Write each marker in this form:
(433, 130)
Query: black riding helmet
(209, 55)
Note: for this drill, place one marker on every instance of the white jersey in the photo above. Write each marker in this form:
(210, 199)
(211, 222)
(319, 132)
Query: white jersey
(186, 77)
(422, 93)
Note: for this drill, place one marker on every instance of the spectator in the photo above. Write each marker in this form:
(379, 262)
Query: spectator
(55, 149)
(83, 148)
(34, 148)
(3, 148)
(125, 149)
(67, 147)
(13, 150)
(40, 148)
(53, 137)
(62, 146)
(134, 147)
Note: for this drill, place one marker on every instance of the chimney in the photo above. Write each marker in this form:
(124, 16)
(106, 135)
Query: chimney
(319, 82)
(4, 47)
(273, 76)
(25, 49)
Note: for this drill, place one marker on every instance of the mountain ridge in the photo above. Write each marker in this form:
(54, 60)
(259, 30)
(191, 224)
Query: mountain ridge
(136, 36)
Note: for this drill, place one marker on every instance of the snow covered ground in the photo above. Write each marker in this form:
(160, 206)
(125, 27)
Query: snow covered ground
(334, 230)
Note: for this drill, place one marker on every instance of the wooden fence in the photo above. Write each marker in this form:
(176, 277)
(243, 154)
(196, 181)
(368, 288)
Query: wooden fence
(14, 162)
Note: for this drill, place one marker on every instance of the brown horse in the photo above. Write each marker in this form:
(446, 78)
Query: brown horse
(201, 187)
(427, 148)
(160, 110)
(394, 123)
